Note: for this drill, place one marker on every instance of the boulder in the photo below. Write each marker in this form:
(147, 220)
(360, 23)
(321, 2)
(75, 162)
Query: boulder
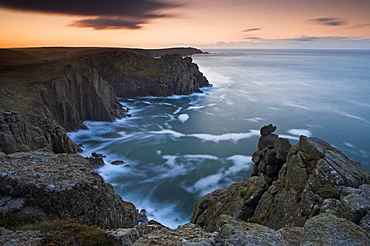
(58, 186)
(236, 232)
(328, 229)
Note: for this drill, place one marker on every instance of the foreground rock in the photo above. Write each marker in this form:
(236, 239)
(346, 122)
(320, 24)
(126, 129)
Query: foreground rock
(39, 186)
(291, 185)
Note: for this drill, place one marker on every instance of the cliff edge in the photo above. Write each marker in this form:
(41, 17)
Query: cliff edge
(42, 99)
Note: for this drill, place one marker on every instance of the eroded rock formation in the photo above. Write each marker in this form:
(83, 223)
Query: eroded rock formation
(308, 179)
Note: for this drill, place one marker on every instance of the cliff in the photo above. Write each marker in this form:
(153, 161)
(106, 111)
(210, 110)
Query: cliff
(133, 75)
(51, 97)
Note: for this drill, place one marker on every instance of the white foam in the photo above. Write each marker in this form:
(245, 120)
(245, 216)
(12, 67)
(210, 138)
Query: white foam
(299, 132)
(352, 116)
(226, 137)
(183, 117)
(195, 107)
(177, 111)
(168, 132)
(349, 145)
(209, 157)
(206, 185)
(241, 163)
(256, 120)
(297, 106)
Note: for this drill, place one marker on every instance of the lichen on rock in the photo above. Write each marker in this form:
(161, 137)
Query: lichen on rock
(44, 185)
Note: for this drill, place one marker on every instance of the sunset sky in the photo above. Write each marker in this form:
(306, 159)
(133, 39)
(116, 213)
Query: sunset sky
(197, 23)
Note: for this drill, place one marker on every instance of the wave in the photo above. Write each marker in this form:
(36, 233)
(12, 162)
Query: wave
(235, 137)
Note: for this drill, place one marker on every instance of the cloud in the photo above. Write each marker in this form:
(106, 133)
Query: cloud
(361, 25)
(329, 21)
(252, 29)
(254, 38)
(108, 14)
(305, 42)
(306, 39)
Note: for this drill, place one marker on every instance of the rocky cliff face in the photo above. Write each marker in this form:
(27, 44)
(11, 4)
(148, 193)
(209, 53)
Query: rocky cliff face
(54, 97)
(292, 185)
(39, 186)
(138, 76)
(79, 94)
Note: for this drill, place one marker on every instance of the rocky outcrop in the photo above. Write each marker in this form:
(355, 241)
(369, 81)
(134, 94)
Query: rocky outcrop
(132, 75)
(39, 186)
(14, 134)
(309, 179)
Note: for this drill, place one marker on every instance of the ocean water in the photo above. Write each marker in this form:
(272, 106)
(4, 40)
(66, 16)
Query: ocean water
(180, 148)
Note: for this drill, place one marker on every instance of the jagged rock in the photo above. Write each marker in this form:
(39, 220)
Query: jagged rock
(267, 141)
(271, 154)
(124, 237)
(268, 129)
(95, 162)
(236, 232)
(63, 186)
(327, 229)
(132, 217)
(316, 178)
(282, 147)
(239, 200)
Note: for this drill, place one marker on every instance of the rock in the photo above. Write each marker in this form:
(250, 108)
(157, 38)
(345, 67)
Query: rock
(124, 237)
(11, 238)
(95, 162)
(235, 232)
(63, 186)
(268, 129)
(117, 162)
(239, 200)
(271, 154)
(282, 147)
(142, 217)
(188, 234)
(7, 143)
(94, 154)
(293, 235)
(310, 182)
(327, 229)
(314, 179)
(267, 141)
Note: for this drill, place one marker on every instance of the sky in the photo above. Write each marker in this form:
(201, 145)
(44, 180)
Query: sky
(196, 23)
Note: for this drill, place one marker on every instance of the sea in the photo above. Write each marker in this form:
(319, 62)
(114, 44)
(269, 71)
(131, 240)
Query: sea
(177, 149)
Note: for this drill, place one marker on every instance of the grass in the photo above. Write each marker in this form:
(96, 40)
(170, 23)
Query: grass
(246, 193)
(327, 191)
(69, 233)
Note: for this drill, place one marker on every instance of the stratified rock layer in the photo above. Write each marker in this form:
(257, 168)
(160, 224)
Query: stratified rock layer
(42, 185)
